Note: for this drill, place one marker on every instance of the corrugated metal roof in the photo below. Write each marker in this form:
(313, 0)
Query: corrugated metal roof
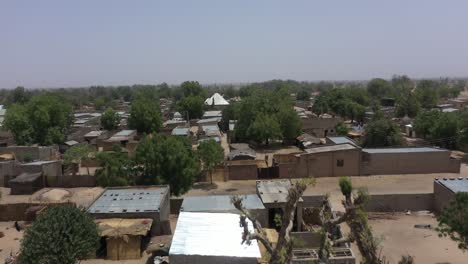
(342, 140)
(129, 200)
(454, 184)
(330, 148)
(211, 234)
(180, 131)
(95, 133)
(401, 150)
(124, 133)
(212, 203)
(273, 191)
(209, 114)
(40, 162)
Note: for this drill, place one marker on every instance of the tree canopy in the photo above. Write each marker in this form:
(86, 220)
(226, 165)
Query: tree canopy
(266, 115)
(193, 105)
(42, 120)
(442, 129)
(303, 95)
(378, 88)
(116, 168)
(167, 160)
(453, 221)
(211, 154)
(382, 132)
(110, 119)
(62, 234)
(145, 115)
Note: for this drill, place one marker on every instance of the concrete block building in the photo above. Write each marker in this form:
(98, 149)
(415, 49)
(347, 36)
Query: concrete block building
(150, 202)
(445, 190)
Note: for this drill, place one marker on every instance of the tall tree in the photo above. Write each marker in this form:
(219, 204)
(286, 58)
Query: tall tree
(192, 88)
(382, 133)
(303, 95)
(167, 160)
(289, 123)
(264, 128)
(110, 119)
(193, 105)
(47, 117)
(453, 221)
(211, 154)
(62, 234)
(19, 96)
(145, 115)
(116, 168)
(427, 92)
(378, 88)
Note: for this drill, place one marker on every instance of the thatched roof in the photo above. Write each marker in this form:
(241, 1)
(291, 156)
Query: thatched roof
(116, 227)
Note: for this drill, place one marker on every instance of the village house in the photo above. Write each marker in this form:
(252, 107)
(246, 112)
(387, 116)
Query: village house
(124, 138)
(322, 126)
(445, 190)
(140, 202)
(211, 238)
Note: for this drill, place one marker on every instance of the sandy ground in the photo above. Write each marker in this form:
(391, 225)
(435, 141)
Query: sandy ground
(11, 241)
(80, 196)
(400, 237)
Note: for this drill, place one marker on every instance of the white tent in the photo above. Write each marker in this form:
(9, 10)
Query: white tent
(211, 238)
(216, 99)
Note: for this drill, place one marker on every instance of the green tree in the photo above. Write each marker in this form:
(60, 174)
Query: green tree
(289, 123)
(346, 188)
(341, 129)
(303, 95)
(62, 234)
(76, 153)
(453, 221)
(116, 168)
(110, 119)
(408, 106)
(378, 88)
(264, 128)
(43, 120)
(442, 129)
(167, 160)
(100, 102)
(382, 133)
(17, 121)
(193, 105)
(229, 113)
(424, 122)
(427, 92)
(211, 154)
(145, 115)
(192, 88)
(18, 96)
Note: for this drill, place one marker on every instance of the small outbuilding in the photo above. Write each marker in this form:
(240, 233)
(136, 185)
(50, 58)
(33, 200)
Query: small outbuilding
(211, 238)
(123, 237)
(26, 183)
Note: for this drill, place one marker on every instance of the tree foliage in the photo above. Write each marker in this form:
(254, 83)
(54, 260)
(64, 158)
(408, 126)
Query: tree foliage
(18, 96)
(303, 95)
(192, 88)
(427, 92)
(211, 154)
(145, 115)
(167, 160)
(442, 129)
(378, 88)
(382, 132)
(116, 168)
(62, 234)
(110, 119)
(341, 129)
(43, 120)
(453, 221)
(266, 115)
(193, 105)
(76, 153)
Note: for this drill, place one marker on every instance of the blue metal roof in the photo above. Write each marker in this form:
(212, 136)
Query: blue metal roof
(214, 203)
(454, 184)
(401, 150)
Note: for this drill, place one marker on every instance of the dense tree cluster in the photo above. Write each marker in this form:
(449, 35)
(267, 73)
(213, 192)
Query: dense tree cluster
(110, 119)
(42, 120)
(382, 132)
(145, 115)
(264, 116)
(350, 102)
(443, 129)
(62, 234)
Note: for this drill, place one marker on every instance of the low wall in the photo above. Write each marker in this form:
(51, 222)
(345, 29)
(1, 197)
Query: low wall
(17, 211)
(175, 204)
(71, 181)
(400, 202)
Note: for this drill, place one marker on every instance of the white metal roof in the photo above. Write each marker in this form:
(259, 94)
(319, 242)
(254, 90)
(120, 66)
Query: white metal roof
(211, 234)
(216, 99)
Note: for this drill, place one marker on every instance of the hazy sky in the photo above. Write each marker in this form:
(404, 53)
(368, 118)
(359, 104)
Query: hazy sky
(104, 42)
